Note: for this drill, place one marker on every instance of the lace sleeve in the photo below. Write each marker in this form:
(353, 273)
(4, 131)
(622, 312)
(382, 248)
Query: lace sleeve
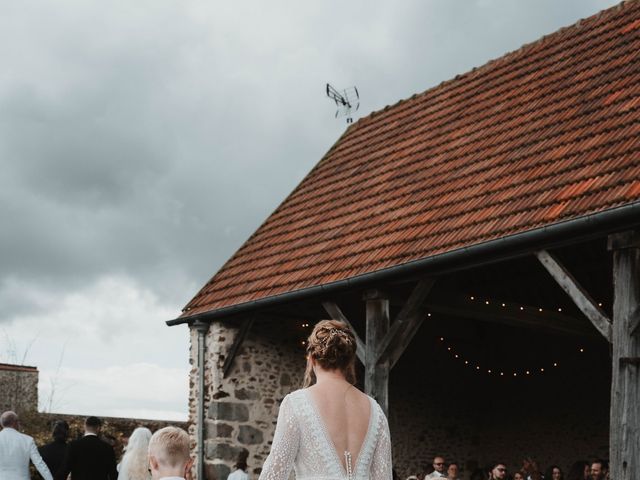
(284, 448)
(381, 463)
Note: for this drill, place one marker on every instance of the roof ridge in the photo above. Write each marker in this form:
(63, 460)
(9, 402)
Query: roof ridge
(489, 64)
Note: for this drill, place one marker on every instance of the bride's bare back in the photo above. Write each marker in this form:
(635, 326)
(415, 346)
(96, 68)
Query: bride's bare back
(345, 412)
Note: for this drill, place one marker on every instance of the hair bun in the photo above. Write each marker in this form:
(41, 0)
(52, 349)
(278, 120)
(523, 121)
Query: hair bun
(332, 345)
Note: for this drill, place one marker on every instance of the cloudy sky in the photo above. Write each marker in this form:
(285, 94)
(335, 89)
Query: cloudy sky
(141, 142)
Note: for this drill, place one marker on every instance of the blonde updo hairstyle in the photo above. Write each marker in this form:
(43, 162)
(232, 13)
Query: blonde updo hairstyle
(332, 346)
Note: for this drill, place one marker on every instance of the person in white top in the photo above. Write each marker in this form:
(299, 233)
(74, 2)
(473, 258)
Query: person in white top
(135, 463)
(329, 430)
(15, 451)
(439, 470)
(169, 457)
(240, 473)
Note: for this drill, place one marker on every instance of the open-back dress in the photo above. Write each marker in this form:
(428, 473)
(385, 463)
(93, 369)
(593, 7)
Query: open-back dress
(302, 442)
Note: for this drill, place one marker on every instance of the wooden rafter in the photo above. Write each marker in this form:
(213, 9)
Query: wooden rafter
(335, 313)
(406, 324)
(575, 291)
(235, 346)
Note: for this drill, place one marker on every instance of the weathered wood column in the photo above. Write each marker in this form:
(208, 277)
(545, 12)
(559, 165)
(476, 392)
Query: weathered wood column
(376, 373)
(624, 446)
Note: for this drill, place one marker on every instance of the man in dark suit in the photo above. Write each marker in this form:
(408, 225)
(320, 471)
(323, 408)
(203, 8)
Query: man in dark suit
(89, 458)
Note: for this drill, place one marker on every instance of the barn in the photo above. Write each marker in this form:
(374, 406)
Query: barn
(482, 238)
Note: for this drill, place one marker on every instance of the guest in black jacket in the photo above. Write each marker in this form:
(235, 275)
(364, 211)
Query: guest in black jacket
(53, 453)
(89, 458)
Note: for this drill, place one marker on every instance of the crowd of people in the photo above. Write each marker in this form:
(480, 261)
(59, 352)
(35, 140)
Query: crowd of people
(164, 454)
(597, 469)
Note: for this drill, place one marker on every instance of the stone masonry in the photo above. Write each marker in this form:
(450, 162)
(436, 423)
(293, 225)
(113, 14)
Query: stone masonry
(18, 388)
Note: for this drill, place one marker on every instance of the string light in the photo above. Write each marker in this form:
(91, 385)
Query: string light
(524, 372)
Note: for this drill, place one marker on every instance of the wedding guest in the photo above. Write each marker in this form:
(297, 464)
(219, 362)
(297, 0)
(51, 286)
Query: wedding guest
(438, 469)
(530, 469)
(53, 453)
(89, 458)
(240, 472)
(16, 449)
(554, 472)
(135, 462)
(498, 471)
(169, 454)
(599, 469)
(580, 470)
(452, 471)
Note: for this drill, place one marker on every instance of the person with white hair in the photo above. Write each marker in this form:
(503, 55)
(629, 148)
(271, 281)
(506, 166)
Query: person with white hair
(15, 451)
(169, 456)
(135, 463)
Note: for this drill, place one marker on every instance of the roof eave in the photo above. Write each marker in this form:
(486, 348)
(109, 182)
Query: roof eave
(557, 234)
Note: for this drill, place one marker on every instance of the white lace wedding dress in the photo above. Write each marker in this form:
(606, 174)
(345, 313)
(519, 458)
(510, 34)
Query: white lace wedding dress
(302, 442)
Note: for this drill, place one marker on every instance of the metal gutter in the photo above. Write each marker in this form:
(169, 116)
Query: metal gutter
(558, 234)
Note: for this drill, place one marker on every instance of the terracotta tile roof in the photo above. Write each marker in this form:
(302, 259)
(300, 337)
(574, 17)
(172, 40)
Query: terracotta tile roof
(544, 134)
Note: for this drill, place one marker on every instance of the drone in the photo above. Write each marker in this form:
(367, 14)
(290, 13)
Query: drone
(346, 101)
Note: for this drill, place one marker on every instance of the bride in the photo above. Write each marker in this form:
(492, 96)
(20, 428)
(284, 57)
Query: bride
(329, 429)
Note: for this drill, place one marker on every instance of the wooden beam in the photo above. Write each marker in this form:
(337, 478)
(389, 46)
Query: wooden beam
(235, 346)
(336, 314)
(578, 294)
(624, 442)
(376, 374)
(515, 315)
(406, 324)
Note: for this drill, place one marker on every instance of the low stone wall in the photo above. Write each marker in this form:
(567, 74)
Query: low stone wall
(114, 430)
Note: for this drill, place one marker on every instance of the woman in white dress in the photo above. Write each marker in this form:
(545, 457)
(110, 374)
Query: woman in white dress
(135, 462)
(329, 430)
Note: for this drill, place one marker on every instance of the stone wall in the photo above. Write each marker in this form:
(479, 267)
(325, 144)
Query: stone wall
(18, 388)
(438, 408)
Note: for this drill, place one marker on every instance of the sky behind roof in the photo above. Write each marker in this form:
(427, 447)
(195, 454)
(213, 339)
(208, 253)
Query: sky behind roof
(142, 142)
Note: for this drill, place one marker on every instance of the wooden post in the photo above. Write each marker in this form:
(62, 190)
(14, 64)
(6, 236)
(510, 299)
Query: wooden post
(624, 446)
(376, 374)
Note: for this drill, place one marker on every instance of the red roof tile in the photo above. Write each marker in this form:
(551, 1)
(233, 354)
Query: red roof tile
(544, 134)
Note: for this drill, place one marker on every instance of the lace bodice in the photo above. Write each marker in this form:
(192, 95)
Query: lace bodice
(301, 442)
